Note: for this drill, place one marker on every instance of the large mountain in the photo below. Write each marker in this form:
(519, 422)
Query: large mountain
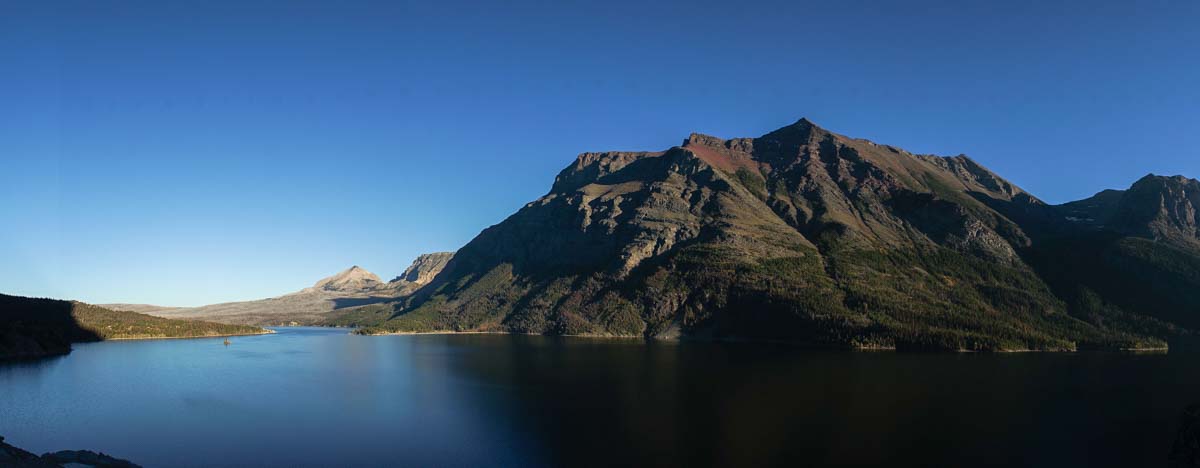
(1129, 258)
(801, 235)
(347, 289)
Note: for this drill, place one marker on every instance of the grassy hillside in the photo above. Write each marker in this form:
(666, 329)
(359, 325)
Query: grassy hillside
(31, 327)
(117, 324)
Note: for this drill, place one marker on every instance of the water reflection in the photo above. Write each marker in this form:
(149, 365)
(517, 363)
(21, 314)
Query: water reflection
(319, 397)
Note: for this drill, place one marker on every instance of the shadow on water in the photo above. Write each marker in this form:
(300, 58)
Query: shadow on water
(702, 404)
(515, 400)
(33, 328)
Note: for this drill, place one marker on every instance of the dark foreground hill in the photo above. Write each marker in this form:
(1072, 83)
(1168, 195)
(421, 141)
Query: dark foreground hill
(13, 457)
(31, 327)
(803, 235)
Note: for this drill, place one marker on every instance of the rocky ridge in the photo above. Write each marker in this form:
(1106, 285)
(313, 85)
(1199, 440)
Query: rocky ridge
(798, 235)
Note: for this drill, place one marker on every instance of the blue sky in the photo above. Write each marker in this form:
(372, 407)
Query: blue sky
(183, 153)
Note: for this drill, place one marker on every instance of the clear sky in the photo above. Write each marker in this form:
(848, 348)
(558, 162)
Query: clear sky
(183, 153)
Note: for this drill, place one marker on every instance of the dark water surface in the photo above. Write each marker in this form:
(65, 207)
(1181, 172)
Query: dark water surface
(320, 397)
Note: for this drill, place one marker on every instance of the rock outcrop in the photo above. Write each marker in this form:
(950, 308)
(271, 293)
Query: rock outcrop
(1185, 452)
(424, 268)
(1156, 207)
(1161, 208)
(16, 458)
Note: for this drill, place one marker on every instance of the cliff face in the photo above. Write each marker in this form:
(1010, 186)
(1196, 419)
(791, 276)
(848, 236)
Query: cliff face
(424, 268)
(1156, 207)
(1161, 208)
(800, 235)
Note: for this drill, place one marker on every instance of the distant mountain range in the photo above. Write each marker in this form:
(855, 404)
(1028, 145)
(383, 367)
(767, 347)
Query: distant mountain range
(313, 305)
(804, 235)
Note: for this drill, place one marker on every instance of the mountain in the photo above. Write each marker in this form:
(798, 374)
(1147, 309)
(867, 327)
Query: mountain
(799, 235)
(354, 279)
(424, 268)
(1155, 207)
(347, 289)
(1128, 259)
(32, 327)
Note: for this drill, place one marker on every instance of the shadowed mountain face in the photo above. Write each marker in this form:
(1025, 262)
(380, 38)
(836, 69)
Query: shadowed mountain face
(799, 235)
(1155, 207)
(1128, 259)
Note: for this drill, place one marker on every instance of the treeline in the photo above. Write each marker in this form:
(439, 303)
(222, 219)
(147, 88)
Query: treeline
(932, 299)
(34, 327)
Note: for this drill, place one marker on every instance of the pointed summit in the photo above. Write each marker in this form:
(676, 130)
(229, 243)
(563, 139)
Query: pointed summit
(805, 125)
(801, 132)
(353, 278)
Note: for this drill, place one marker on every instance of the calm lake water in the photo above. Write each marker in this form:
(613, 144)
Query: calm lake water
(321, 397)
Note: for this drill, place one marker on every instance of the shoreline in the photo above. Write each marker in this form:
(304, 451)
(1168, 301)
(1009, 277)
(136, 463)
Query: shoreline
(870, 349)
(145, 338)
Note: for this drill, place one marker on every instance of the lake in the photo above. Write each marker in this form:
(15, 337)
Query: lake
(322, 397)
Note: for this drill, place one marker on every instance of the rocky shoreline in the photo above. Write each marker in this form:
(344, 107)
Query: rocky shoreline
(11, 456)
(1185, 452)
(862, 348)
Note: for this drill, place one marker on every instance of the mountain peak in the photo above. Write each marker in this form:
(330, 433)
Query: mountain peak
(353, 278)
(1161, 208)
(802, 130)
(1160, 182)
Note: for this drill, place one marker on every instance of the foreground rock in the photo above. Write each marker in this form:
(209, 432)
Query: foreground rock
(1185, 453)
(16, 458)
